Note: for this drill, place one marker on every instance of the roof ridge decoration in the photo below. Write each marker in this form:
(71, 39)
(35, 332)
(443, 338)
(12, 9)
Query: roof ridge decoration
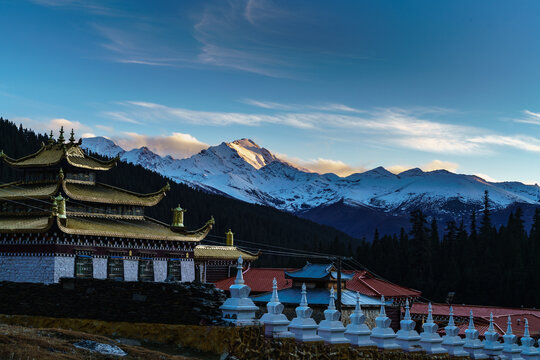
(55, 151)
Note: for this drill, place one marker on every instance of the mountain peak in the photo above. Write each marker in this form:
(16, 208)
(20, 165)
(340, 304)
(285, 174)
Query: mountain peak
(380, 172)
(252, 153)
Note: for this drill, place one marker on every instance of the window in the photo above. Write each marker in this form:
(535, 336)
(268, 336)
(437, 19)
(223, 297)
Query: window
(83, 266)
(115, 268)
(146, 269)
(174, 272)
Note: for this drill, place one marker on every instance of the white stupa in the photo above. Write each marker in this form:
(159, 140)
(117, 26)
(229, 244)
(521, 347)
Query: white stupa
(430, 340)
(303, 326)
(492, 346)
(511, 350)
(452, 342)
(382, 334)
(472, 344)
(528, 350)
(407, 337)
(331, 329)
(275, 323)
(239, 309)
(357, 331)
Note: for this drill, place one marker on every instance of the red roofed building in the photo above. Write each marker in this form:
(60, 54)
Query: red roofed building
(366, 283)
(481, 317)
(259, 280)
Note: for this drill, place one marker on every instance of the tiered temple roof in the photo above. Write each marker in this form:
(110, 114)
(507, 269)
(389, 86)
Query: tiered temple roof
(53, 153)
(35, 204)
(213, 252)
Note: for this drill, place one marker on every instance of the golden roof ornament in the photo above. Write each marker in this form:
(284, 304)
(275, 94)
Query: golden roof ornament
(61, 174)
(51, 138)
(178, 217)
(72, 137)
(61, 137)
(230, 238)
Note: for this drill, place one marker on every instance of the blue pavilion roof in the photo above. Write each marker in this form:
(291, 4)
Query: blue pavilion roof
(317, 271)
(318, 296)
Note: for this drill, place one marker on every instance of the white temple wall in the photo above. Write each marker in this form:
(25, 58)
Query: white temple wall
(160, 270)
(188, 270)
(27, 268)
(131, 270)
(64, 266)
(99, 268)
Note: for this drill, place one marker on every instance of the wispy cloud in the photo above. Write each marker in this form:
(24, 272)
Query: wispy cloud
(120, 116)
(45, 126)
(301, 107)
(530, 118)
(521, 142)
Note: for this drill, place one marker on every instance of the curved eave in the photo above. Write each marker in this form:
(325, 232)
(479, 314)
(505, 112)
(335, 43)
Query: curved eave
(24, 225)
(115, 230)
(150, 199)
(91, 163)
(18, 162)
(4, 192)
(206, 252)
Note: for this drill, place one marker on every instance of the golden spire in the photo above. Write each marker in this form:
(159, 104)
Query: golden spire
(72, 137)
(61, 137)
(230, 238)
(178, 217)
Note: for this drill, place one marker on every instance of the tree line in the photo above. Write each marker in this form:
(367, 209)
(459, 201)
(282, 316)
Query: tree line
(480, 264)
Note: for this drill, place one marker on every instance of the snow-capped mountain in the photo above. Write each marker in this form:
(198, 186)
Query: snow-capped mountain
(244, 170)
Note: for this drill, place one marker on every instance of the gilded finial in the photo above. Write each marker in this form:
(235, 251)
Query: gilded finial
(230, 238)
(178, 217)
(61, 174)
(51, 138)
(61, 137)
(72, 137)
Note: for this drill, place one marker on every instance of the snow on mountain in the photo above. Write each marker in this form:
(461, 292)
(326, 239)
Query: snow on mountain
(244, 170)
(102, 146)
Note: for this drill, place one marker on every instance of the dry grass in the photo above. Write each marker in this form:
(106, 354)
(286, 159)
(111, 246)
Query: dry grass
(20, 343)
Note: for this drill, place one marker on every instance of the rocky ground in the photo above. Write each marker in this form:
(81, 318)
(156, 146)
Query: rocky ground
(18, 342)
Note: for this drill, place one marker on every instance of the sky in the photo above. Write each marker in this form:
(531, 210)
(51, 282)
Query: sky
(340, 86)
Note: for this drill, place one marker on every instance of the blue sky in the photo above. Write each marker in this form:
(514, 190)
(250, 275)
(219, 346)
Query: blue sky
(339, 86)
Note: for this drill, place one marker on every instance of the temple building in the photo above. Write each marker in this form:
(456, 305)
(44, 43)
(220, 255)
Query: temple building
(58, 221)
(217, 262)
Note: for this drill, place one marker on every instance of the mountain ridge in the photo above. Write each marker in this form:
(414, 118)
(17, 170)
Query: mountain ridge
(244, 170)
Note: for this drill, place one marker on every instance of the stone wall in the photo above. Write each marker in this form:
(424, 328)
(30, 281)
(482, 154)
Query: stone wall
(109, 300)
(27, 268)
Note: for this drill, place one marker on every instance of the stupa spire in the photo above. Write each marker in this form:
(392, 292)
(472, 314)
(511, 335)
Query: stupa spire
(239, 276)
(61, 137)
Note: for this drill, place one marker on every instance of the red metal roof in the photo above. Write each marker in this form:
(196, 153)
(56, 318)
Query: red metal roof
(481, 317)
(365, 283)
(464, 310)
(259, 280)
